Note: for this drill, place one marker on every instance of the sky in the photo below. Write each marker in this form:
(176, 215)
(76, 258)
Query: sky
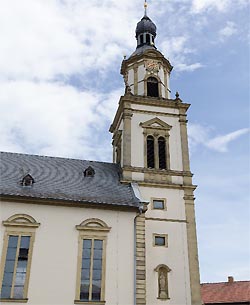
(60, 86)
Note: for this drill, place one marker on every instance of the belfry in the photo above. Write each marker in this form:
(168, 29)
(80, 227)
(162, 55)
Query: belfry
(151, 146)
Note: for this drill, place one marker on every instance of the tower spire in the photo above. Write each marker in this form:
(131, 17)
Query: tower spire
(145, 7)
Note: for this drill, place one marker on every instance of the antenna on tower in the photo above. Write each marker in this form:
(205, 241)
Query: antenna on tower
(145, 7)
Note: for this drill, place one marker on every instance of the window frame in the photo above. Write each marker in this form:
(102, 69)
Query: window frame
(152, 199)
(160, 235)
(91, 229)
(18, 225)
(159, 85)
(157, 129)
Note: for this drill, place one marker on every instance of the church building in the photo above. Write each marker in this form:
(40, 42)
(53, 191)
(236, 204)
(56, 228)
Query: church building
(94, 233)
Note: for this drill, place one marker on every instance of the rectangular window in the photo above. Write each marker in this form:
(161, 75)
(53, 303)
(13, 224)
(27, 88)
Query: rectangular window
(91, 270)
(160, 240)
(15, 269)
(159, 204)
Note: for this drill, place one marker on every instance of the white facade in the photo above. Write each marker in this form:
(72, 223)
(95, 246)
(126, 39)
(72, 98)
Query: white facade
(54, 261)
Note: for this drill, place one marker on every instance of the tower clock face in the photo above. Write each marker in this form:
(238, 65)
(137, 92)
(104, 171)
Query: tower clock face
(152, 66)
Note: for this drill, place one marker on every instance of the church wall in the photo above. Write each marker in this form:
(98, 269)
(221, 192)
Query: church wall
(170, 221)
(54, 259)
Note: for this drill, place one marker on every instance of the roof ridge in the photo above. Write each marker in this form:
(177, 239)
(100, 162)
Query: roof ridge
(54, 157)
(242, 281)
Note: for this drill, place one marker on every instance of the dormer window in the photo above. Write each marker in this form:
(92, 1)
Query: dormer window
(27, 180)
(89, 172)
(152, 87)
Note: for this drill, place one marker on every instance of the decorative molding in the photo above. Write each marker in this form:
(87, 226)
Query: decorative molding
(21, 220)
(156, 113)
(93, 224)
(67, 203)
(156, 124)
(166, 219)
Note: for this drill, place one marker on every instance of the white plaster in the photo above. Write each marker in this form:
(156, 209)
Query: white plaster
(141, 88)
(175, 256)
(141, 72)
(54, 260)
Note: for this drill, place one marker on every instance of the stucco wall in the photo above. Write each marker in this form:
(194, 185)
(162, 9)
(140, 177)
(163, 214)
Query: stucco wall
(175, 255)
(54, 261)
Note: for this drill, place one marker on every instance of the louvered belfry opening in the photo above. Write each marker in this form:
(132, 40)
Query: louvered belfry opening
(152, 87)
(150, 152)
(162, 153)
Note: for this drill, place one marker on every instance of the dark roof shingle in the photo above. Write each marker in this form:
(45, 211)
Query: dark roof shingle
(63, 179)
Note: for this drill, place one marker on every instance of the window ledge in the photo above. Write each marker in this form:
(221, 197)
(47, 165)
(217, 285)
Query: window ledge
(14, 300)
(90, 302)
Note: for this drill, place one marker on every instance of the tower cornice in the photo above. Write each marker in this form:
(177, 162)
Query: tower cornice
(147, 54)
(127, 101)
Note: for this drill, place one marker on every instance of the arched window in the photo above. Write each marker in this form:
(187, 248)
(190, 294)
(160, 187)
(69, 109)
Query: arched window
(152, 87)
(162, 153)
(150, 152)
(147, 38)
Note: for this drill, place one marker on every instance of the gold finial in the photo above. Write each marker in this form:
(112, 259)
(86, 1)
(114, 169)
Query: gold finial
(145, 7)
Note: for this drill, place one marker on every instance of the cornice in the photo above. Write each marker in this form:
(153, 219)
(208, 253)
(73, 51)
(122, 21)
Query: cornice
(162, 185)
(148, 54)
(164, 172)
(129, 100)
(66, 203)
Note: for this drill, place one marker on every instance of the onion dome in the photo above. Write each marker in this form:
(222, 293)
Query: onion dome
(146, 25)
(145, 32)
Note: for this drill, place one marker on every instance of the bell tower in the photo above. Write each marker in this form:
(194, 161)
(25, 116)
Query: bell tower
(151, 146)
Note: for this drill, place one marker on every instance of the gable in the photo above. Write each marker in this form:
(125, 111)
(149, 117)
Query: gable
(156, 123)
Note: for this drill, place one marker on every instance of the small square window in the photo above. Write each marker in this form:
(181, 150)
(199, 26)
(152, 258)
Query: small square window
(158, 204)
(160, 240)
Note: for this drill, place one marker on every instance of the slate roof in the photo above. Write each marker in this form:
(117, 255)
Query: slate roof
(225, 293)
(63, 179)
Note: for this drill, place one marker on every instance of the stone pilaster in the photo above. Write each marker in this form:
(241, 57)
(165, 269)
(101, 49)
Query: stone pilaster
(140, 260)
(192, 248)
(135, 79)
(184, 145)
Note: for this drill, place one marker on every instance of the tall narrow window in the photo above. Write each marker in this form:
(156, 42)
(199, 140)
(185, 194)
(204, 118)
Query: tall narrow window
(147, 38)
(15, 267)
(150, 152)
(17, 252)
(152, 87)
(141, 39)
(91, 281)
(162, 153)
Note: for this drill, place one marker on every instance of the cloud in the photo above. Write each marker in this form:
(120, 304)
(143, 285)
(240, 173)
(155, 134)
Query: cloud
(54, 119)
(229, 30)
(220, 143)
(199, 6)
(188, 68)
(44, 40)
(200, 135)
